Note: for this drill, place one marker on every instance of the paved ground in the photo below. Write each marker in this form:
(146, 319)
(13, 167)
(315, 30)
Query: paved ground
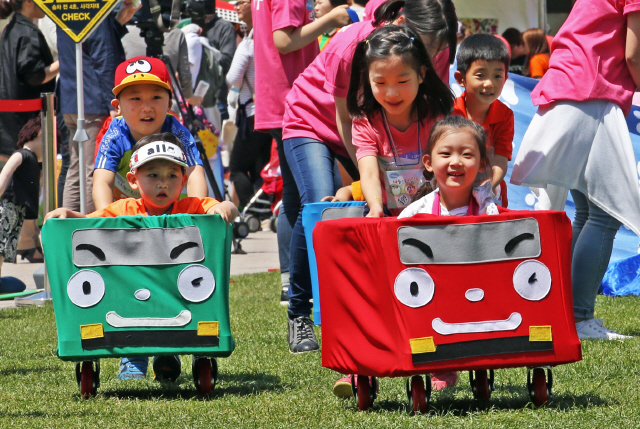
(261, 248)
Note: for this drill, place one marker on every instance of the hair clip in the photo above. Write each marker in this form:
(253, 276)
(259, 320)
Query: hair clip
(412, 38)
(366, 41)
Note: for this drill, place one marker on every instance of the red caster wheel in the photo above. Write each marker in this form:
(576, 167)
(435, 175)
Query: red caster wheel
(482, 385)
(205, 374)
(88, 379)
(418, 397)
(365, 389)
(539, 387)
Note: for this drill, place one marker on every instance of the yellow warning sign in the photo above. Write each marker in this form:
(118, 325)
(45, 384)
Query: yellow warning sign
(77, 18)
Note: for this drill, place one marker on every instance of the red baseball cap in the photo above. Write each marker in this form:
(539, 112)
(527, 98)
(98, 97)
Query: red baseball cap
(140, 70)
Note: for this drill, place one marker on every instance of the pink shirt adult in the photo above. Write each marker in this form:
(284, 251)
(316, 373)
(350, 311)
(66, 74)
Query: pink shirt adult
(588, 61)
(276, 72)
(310, 108)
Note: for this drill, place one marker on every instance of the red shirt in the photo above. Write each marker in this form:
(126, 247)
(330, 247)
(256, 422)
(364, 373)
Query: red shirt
(133, 207)
(498, 126)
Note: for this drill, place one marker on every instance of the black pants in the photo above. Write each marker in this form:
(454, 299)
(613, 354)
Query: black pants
(248, 157)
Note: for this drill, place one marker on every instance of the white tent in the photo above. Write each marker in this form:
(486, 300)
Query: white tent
(521, 14)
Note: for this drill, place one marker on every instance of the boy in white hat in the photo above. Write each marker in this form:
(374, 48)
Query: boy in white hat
(158, 171)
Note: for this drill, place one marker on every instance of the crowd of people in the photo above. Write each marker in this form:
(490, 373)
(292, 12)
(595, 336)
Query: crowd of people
(353, 93)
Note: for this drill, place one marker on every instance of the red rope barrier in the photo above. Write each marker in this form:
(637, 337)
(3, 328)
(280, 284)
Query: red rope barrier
(20, 105)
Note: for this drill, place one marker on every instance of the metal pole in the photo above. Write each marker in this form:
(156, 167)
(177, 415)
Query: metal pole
(49, 158)
(81, 135)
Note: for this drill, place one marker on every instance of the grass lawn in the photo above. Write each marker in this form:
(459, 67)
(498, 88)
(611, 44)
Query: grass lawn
(263, 385)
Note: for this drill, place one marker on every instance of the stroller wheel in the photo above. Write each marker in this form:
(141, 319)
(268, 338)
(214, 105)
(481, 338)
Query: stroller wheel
(240, 229)
(273, 224)
(252, 222)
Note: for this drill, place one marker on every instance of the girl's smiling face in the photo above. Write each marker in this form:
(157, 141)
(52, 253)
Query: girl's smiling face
(455, 162)
(394, 84)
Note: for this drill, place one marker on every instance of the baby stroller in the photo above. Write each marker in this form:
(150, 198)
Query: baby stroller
(266, 202)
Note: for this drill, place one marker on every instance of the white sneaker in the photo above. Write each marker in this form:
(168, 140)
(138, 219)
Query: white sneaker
(594, 329)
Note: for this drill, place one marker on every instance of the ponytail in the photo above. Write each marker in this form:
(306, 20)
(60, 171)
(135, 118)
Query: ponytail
(388, 11)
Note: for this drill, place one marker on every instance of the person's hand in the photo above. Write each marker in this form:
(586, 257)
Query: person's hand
(226, 209)
(375, 211)
(62, 213)
(233, 97)
(343, 194)
(330, 199)
(194, 100)
(126, 12)
(339, 15)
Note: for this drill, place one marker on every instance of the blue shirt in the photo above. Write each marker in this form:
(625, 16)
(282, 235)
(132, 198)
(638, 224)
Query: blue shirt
(115, 151)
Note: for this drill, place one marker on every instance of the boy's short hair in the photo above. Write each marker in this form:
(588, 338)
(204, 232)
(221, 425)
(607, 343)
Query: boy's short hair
(513, 36)
(164, 150)
(482, 47)
(141, 70)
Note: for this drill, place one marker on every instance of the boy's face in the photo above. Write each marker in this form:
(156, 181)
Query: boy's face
(483, 82)
(160, 182)
(144, 108)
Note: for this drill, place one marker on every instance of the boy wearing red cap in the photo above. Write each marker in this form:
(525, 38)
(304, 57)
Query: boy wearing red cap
(157, 171)
(143, 97)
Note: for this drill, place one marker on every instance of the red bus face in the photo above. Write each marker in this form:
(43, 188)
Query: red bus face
(427, 293)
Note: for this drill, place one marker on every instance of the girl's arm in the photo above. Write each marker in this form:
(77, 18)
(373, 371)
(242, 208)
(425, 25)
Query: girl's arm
(290, 39)
(370, 184)
(239, 66)
(10, 167)
(343, 120)
(632, 49)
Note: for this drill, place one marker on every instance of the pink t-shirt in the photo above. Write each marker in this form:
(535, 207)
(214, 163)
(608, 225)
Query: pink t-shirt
(275, 72)
(370, 137)
(588, 59)
(310, 108)
(370, 9)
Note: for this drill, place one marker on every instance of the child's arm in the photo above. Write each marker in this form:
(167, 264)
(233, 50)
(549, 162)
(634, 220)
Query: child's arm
(62, 213)
(196, 184)
(498, 169)
(291, 39)
(226, 209)
(343, 194)
(102, 191)
(7, 171)
(370, 183)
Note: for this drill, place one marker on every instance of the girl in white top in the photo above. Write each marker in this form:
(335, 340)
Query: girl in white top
(456, 153)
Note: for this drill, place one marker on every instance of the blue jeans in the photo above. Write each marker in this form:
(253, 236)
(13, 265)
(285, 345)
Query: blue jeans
(593, 234)
(315, 172)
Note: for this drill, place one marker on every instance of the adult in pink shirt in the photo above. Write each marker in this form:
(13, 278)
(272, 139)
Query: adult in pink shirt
(579, 140)
(317, 125)
(285, 34)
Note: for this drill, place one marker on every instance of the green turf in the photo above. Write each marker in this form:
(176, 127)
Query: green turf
(263, 385)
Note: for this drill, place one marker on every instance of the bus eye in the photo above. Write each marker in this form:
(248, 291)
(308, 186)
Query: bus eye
(532, 280)
(196, 283)
(85, 288)
(414, 287)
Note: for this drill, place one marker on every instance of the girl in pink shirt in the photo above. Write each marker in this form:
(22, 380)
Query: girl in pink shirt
(395, 96)
(579, 140)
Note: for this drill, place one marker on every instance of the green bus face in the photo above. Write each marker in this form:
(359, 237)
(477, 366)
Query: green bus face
(139, 286)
